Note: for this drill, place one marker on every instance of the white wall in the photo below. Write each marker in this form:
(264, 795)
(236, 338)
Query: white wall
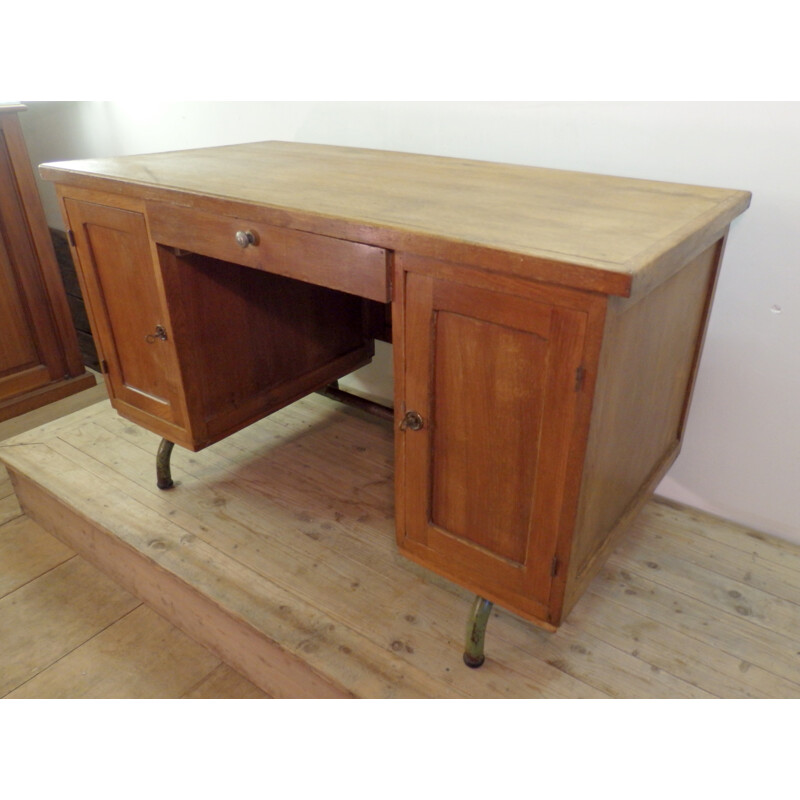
(741, 457)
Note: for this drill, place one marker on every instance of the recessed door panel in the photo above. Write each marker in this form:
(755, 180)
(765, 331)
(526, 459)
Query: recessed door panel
(487, 403)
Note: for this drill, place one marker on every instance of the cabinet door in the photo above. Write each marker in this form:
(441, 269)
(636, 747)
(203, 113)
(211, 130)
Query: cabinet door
(127, 308)
(31, 352)
(493, 378)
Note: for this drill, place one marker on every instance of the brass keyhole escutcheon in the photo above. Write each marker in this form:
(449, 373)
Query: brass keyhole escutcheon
(412, 421)
(159, 335)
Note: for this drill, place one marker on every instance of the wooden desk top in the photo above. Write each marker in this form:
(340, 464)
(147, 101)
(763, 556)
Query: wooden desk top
(615, 235)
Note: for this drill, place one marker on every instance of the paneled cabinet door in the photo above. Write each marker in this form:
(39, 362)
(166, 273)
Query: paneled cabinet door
(127, 309)
(490, 400)
(39, 357)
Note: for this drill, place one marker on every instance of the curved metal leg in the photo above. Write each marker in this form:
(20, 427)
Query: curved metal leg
(163, 472)
(476, 632)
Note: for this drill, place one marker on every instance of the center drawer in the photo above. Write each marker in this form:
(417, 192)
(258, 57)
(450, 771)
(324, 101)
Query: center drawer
(350, 267)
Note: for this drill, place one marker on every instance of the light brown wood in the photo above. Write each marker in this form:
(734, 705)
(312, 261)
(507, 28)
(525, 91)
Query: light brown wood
(646, 373)
(9, 508)
(141, 655)
(175, 597)
(224, 684)
(670, 630)
(76, 601)
(6, 490)
(39, 357)
(27, 552)
(509, 219)
(548, 330)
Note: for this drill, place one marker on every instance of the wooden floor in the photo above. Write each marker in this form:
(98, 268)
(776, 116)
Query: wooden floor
(276, 551)
(68, 631)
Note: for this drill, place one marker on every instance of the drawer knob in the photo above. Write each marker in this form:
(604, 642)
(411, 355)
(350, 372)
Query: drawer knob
(245, 238)
(412, 421)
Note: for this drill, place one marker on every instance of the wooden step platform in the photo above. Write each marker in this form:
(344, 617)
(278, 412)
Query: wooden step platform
(276, 551)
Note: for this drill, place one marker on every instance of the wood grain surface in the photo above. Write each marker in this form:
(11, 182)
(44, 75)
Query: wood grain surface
(261, 527)
(613, 234)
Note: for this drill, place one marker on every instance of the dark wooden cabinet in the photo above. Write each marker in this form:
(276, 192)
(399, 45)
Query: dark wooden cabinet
(39, 358)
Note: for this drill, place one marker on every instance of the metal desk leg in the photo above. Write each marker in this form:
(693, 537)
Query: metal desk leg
(476, 632)
(163, 472)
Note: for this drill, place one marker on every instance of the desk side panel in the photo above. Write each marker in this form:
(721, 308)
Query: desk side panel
(647, 368)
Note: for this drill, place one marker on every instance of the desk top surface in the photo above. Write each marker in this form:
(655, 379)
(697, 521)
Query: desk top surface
(605, 233)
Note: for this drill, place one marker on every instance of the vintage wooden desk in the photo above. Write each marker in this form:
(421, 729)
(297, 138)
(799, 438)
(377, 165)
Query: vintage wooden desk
(546, 330)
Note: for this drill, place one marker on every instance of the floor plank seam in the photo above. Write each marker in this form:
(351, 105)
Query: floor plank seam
(661, 623)
(40, 575)
(69, 652)
(650, 534)
(288, 586)
(197, 591)
(715, 568)
(11, 519)
(695, 635)
(656, 670)
(735, 532)
(745, 619)
(660, 670)
(588, 658)
(202, 680)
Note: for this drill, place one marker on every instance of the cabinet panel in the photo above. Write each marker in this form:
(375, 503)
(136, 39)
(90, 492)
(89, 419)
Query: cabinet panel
(485, 375)
(17, 349)
(29, 333)
(494, 379)
(39, 358)
(127, 307)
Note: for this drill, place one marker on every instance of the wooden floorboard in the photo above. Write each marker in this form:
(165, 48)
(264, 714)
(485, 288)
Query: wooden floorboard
(52, 615)
(140, 655)
(276, 551)
(9, 508)
(27, 552)
(67, 631)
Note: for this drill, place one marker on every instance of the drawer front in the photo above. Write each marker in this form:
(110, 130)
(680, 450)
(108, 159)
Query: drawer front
(351, 267)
